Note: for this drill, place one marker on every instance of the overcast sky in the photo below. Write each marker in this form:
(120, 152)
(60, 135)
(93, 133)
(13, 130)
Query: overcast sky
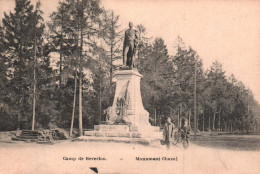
(227, 31)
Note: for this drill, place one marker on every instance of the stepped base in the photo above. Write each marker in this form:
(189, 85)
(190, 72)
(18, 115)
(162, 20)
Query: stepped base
(154, 135)
(144, 128)
(105, 127)
(27, 135)
(127, 131)
(126, 128)
(143, 141)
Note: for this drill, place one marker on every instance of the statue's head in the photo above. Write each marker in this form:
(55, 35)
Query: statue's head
(130, 25)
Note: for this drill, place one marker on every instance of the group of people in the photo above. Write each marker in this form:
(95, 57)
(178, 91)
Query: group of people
(170, 131)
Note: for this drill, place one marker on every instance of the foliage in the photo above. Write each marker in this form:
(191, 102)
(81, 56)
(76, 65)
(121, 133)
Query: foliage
(86, 42)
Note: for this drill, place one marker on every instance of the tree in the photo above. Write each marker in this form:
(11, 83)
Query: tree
(21, 30)
(185, 62)
(156, 68)
(144, 41)
(112, 39)
(82, 29)
(217, 83)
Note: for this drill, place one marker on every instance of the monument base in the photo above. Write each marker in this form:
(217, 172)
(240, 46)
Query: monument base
(126, 119)
(129, 133)
(143, 141)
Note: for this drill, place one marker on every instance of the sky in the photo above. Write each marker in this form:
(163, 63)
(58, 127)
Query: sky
(227, 31)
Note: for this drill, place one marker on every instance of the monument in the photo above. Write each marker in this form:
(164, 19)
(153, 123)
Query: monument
(127, 116)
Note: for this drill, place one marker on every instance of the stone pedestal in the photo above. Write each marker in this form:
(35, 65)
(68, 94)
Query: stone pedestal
(128, 83)
(128, 88)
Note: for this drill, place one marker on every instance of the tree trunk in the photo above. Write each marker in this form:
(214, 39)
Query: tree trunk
(80, 101)
(219, 119)
(195, 101)
(159, 120)
(80, 78)
(197, 122)
(61, 48)
(189, 116)
(209, 122)
(74, 102)
(154, 106)
(100, 100)
(203, 120)
(179, 116)
(155, 115)
(214, 117)
(34, 76)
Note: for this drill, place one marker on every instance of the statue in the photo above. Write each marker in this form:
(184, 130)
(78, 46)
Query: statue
(130, 44)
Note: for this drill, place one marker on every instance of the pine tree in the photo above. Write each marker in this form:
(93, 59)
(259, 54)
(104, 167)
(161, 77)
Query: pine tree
(112, 39)
(217, 83)
(82, 29)
(18, 48)
(155, 66)
(185, 62)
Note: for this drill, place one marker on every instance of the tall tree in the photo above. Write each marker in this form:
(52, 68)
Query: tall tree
(22, 29)
(217, 84)
(112, 38)
(185, 63)
(155, 66)
(81, 28)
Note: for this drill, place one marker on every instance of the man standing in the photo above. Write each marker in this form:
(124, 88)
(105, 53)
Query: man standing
(130, 43)
(168, 132)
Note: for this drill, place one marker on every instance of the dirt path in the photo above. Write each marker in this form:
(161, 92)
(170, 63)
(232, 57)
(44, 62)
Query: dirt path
(63, 157)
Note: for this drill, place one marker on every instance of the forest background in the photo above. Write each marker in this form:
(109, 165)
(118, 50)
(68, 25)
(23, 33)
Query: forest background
(63, 67)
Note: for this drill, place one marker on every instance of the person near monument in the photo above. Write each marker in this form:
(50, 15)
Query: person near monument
(130, 44)
(185, 128)
(168, 132)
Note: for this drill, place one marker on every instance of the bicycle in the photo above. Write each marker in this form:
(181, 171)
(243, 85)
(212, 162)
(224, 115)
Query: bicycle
(181, 137)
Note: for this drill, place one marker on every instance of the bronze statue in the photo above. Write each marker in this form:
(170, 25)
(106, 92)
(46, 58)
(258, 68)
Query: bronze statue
(130, 44)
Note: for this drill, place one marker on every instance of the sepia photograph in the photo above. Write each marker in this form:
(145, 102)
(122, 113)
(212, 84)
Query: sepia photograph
(129, 87)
